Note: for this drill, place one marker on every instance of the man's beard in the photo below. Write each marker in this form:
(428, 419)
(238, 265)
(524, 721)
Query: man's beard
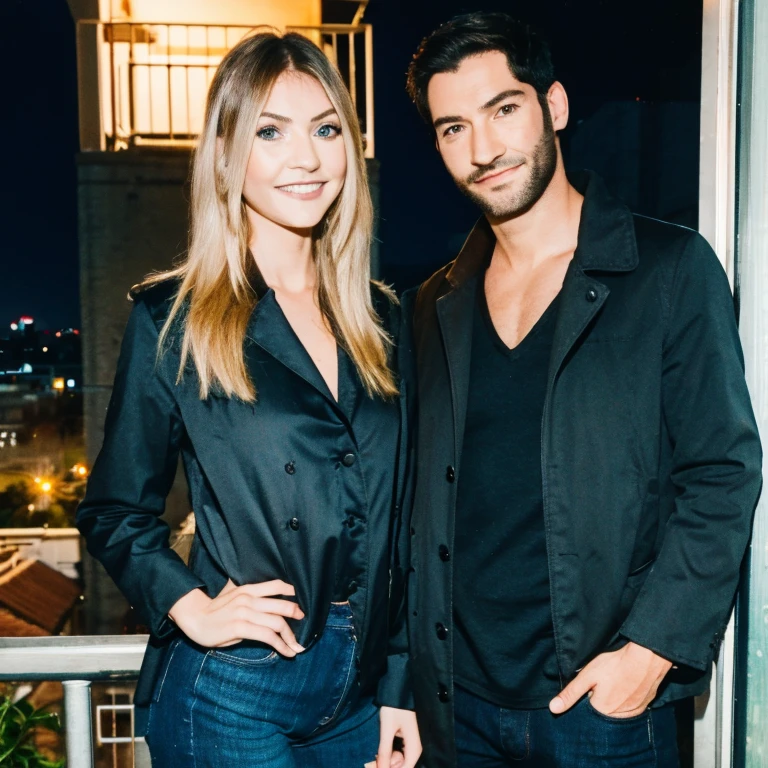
(543, 164)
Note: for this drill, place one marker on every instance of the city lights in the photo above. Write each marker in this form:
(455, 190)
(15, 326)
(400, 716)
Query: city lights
(58, 384)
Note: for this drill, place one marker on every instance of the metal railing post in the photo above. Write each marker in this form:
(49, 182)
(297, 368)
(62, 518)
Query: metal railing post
(77, 718)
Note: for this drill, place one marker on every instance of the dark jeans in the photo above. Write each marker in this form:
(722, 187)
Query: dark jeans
(488, 736)
(246, 705)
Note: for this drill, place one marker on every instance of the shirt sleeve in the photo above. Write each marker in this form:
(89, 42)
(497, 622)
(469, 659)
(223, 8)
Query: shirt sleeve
(125, 497)
(682, 609)
(395, 687)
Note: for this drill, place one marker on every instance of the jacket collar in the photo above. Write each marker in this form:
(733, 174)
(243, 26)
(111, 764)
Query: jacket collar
(606, 240)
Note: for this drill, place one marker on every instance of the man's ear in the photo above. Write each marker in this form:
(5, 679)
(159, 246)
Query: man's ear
(557, 100)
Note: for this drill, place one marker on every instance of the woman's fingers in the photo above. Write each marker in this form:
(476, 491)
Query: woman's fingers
(248, 631)
(269, 589)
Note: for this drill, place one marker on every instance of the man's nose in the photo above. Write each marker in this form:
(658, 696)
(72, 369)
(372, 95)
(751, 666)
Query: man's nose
(486, 146)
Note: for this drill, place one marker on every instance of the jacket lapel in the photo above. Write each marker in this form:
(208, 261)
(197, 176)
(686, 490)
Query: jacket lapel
(270, 329)
(455, 315)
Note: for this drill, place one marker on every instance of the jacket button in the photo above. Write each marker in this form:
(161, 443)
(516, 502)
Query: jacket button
(294, 523)
(445, 555)
(350, 521)
(441, 631)
(290, 468)
(450, 474)
(591, 295)
(442, 694)
(348, 460)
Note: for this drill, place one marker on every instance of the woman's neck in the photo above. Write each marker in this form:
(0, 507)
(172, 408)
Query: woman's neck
(284, 256)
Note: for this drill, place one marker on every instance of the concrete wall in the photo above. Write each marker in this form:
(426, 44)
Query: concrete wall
(132, 220)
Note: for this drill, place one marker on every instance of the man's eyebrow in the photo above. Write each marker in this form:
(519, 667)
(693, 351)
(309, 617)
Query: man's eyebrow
(513, 92)
(500, 97)
(447, 119)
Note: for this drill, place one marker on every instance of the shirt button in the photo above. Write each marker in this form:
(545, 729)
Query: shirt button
(442, 631)
(348, 460)
(442, 694)
(294, 523)
(591, 295)
(445, 555)
(290, 468)
(450, 474)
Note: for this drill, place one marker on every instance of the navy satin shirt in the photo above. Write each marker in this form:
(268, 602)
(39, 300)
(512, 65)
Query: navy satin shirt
(295, 486)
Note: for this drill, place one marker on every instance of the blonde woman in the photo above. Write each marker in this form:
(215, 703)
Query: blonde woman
(266, 360)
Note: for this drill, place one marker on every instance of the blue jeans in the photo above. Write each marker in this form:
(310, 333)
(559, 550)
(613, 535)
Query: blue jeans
(246, 705)
(488, 736)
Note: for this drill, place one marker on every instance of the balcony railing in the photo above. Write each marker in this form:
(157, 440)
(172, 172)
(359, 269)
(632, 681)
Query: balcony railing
(152, 78)
(76, 662)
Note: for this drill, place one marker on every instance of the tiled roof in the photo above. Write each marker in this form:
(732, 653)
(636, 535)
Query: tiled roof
(38, 594)
(13, 626)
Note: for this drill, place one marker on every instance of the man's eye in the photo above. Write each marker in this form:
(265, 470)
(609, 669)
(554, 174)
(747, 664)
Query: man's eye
(452, 130)
(328, 131)
(507, 109)
(269, 133)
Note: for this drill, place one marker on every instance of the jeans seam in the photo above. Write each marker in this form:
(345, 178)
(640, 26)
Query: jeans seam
(192, 710)
(165, 672)
(346, 684)
(652, 740)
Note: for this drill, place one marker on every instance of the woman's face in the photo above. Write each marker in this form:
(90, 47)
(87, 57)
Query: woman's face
(298, 161)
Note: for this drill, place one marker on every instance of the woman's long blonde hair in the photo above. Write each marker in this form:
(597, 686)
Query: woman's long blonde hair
(216, 297)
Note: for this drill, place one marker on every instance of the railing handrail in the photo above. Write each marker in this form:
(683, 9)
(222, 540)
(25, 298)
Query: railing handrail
(102, 657)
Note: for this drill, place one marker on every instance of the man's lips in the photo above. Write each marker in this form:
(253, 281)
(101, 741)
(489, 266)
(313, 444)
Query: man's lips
(496, 175)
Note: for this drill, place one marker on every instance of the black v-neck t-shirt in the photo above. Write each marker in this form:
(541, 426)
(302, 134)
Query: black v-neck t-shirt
(504, 648)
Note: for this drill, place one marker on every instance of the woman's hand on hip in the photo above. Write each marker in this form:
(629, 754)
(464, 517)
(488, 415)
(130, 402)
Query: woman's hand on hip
(398, 722)
(249, 612)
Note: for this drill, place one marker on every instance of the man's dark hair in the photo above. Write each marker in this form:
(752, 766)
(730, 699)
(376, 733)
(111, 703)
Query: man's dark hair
(528, 54)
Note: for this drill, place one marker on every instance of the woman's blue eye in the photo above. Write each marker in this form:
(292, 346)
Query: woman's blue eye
(268, 134)
(328, 131)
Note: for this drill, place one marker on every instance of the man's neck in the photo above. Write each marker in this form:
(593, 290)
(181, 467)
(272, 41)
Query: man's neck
(549, 229)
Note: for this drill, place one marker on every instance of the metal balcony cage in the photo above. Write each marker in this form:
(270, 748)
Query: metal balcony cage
(152, 78)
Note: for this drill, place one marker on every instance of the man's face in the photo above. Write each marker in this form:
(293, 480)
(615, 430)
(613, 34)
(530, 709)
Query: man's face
(495, 139)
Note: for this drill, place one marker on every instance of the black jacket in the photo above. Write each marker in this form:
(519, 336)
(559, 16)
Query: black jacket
(295, 486)
(651, 460)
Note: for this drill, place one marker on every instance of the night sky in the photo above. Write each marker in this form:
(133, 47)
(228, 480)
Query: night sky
(604, 50)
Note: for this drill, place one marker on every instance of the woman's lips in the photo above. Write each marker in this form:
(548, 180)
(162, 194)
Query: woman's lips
(303, 191)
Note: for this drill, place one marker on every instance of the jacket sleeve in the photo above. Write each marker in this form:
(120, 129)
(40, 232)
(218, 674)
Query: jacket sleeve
(395, 687)
(682, 609)
(125, 497)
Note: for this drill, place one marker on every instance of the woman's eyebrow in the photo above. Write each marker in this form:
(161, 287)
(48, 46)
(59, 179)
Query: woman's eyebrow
(283, 119)
(327, 112)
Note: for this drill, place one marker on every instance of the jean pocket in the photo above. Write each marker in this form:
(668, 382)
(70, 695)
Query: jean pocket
(617, 720)
(166, 665)
(246, 654)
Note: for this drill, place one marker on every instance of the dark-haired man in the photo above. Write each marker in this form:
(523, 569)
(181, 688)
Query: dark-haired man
(588, 461)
